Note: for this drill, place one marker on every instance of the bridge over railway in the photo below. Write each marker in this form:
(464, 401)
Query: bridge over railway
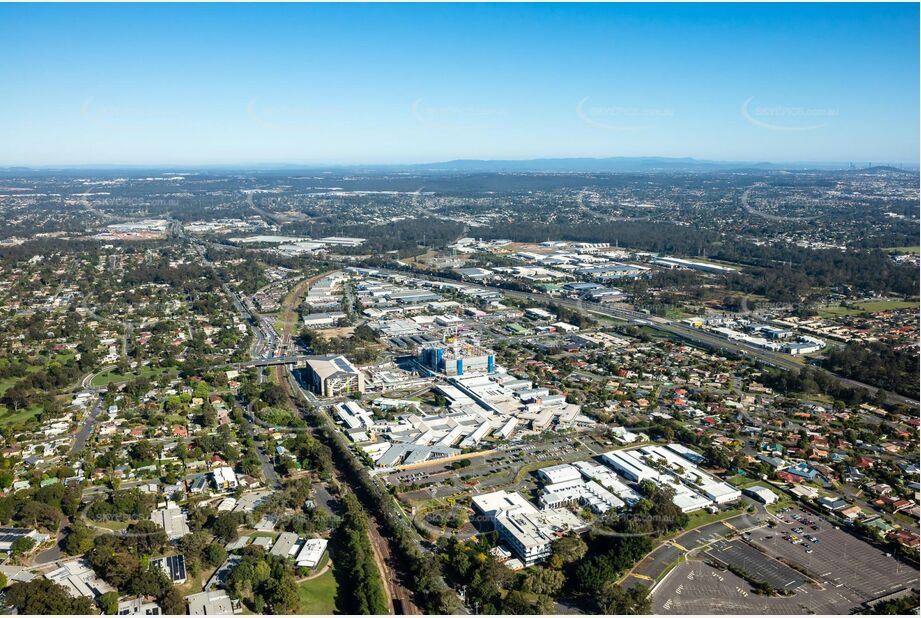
(297, 360)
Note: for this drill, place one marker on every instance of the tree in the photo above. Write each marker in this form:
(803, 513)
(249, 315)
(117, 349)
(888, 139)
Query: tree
(41, 515)
(543, 581)
(225, 526)
(79, 539)
(215, 555)
(569, 548)
(22, 545)
(145, 537)
(108, 603)
(42, 596)
(173, 603)
(281, 594)
(616, 600)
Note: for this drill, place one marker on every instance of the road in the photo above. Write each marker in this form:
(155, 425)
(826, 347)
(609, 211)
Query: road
(268, 469)
(87, 428)
(399, 596)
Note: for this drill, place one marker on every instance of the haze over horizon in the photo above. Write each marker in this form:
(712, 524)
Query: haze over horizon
(322, 85)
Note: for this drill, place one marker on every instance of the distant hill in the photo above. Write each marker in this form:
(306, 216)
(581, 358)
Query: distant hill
(574, 165)
(583, 164)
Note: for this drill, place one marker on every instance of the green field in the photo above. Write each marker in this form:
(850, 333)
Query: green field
(903, 249)
(702, 517)
(108, 377)
(318, 595)
(870, 306)
(8, 417)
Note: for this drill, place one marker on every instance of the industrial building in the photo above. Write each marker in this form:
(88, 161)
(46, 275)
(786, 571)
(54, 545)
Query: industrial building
(673, 262)
(334, 376)
(323, 320)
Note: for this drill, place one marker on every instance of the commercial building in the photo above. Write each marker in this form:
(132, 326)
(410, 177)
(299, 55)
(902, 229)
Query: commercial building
(173, 566)
(607, 479)
(285, 545)
(577, 492)
(458, 360)
(353, 415)
(691, 476)
(629, 466)
(562, 473)
(527, 530)
(8, 536)
(138, 607)
(334, 376)
(79, 579)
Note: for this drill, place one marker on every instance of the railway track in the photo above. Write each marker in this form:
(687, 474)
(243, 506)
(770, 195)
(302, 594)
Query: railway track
(399, 598)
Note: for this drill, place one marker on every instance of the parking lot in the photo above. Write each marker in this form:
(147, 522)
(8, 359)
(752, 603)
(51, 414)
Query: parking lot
(497, 470)
(838, 559)
(694, 587)
(757, 565)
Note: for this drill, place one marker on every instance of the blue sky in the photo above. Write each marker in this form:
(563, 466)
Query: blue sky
(244, 83)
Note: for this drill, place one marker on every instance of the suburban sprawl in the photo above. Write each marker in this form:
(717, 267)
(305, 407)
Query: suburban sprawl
(422, 392)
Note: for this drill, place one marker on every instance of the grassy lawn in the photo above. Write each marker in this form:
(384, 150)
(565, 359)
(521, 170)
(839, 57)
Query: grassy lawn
(702, 517)
(783, 502)
(6, 383)
(741, 481)
(903, 249)
(318, 595)
(108, 377)
(113, 525)
(869, 306)
(676, 314)
(8, 417)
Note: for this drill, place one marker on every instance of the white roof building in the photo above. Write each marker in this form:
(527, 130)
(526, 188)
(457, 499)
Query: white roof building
(172, 520)
(224, 478)
(213, 602)
(560, 474)
(311, 552)
(79, 579)
(527, 530)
